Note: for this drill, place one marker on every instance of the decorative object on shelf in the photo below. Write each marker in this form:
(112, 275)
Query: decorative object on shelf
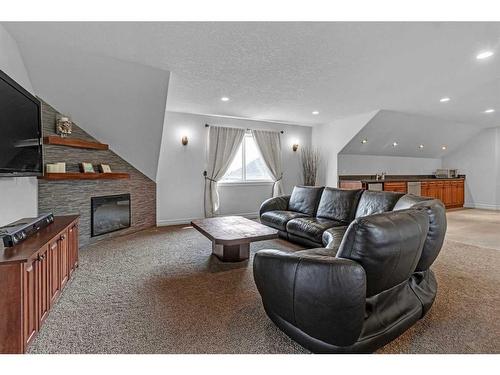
(295, 147)
(309, 160)
(64, 126)
(56, 168)
(87, 168)
(184, 140)
(104, 168)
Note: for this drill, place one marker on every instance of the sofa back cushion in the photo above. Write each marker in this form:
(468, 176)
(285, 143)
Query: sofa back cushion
(338, 204)
(437, 226)
(387, 245)
(375, 202)
(305, 199)
(437, 229)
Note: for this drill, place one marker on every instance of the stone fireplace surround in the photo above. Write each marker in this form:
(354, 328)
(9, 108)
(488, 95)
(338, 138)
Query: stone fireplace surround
(69, 197)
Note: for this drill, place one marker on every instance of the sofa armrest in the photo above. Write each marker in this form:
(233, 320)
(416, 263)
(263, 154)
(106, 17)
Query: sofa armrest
(332, 237)
(276, 203)
(323, 296)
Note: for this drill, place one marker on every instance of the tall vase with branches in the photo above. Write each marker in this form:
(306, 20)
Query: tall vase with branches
(309, 159)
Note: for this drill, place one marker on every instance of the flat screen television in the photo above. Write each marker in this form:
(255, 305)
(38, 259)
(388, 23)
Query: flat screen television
(20, 131)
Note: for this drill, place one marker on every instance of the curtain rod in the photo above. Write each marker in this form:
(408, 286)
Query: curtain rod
(207, 126)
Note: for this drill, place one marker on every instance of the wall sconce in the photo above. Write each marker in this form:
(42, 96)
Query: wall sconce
(295, 147)
(184, 140)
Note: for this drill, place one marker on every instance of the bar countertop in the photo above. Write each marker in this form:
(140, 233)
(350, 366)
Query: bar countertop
(396, 178)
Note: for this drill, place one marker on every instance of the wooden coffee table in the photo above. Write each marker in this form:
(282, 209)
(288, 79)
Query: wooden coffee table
(231, 235)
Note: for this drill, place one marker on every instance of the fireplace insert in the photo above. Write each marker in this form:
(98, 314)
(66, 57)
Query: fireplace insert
(110, 213)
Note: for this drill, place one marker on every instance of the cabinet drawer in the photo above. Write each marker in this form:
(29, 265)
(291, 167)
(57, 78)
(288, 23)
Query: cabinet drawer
(399, 187)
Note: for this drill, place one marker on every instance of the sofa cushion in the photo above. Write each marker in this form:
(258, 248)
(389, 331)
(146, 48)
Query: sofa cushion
(278, 219)
(311, 228)
(305, 199)
(333, 237)
(387, 245)
(338, 204)
(376, 202)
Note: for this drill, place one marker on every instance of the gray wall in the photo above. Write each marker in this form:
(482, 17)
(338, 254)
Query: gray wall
(115, 101)
(372, 164)
(479, 160)
(180, 182)
(73, 196)
(18, 196)
(330, 139)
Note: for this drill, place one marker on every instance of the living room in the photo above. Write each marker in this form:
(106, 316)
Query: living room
(267, 187)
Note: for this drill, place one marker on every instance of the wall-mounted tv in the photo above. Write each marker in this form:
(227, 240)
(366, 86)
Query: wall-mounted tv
(20, 130)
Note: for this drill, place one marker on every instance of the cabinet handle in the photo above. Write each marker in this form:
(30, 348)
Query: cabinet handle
(63, 237)
(41, 257)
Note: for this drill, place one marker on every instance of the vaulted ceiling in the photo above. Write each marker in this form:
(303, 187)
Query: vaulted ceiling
(283, 71)
(391, 133)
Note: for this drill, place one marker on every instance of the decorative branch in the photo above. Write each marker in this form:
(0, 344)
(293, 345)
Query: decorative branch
(310, 159)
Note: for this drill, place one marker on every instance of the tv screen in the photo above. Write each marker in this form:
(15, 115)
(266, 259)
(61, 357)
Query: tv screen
(20, 130)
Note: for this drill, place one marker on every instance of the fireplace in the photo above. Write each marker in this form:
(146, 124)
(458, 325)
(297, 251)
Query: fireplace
(109, 214)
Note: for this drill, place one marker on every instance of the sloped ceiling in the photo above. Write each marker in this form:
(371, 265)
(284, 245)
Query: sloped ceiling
(280, 71)
(285, 70)
(117, 102)
(409, 131)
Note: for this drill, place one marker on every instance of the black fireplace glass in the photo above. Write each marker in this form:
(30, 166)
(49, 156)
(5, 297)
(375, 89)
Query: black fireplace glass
(110, 213)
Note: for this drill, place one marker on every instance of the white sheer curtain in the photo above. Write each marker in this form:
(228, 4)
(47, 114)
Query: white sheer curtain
(223, 144)
(269, 143)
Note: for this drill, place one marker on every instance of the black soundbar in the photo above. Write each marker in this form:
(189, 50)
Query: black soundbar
(21, 230)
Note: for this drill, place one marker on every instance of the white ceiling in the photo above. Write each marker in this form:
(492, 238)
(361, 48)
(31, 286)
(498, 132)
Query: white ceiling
(117, 102)
(283, 71)
(409, 131)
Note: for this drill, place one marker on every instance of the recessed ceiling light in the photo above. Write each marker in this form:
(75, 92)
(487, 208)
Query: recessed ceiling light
(491, 110)
(315, 112)
(443, 147)
(364, 141)
(421, 146)
(394, 144)
(224, 99)
(444, 100)
(484, 55)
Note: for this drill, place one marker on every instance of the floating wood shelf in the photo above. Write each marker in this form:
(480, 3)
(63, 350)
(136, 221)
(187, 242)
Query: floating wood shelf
(84, 176)
(74, 142)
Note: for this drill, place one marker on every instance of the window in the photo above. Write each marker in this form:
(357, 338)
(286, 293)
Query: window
(247, 165)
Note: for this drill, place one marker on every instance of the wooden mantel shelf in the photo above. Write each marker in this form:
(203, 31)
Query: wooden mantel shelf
(84, 176)
(74, 142)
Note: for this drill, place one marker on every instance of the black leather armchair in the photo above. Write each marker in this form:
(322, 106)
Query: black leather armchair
(365, 290)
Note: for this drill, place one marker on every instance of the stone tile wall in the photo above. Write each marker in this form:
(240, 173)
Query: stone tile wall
(73, 196)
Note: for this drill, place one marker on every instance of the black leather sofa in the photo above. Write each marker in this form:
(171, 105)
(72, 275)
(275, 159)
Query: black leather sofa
(366, 278)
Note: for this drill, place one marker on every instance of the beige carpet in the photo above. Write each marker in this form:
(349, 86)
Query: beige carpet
(160, 291)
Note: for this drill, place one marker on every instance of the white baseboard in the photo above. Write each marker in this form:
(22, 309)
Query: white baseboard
(167, 222)
(482, 206)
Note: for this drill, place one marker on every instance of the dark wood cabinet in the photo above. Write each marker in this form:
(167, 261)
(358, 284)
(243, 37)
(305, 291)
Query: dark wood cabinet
(32, 275)
(64, 260)
(450, 192)
(43, 284)
(351, 185)
(54, 271)
(30, 302)
(399, 187)
(73, 248)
